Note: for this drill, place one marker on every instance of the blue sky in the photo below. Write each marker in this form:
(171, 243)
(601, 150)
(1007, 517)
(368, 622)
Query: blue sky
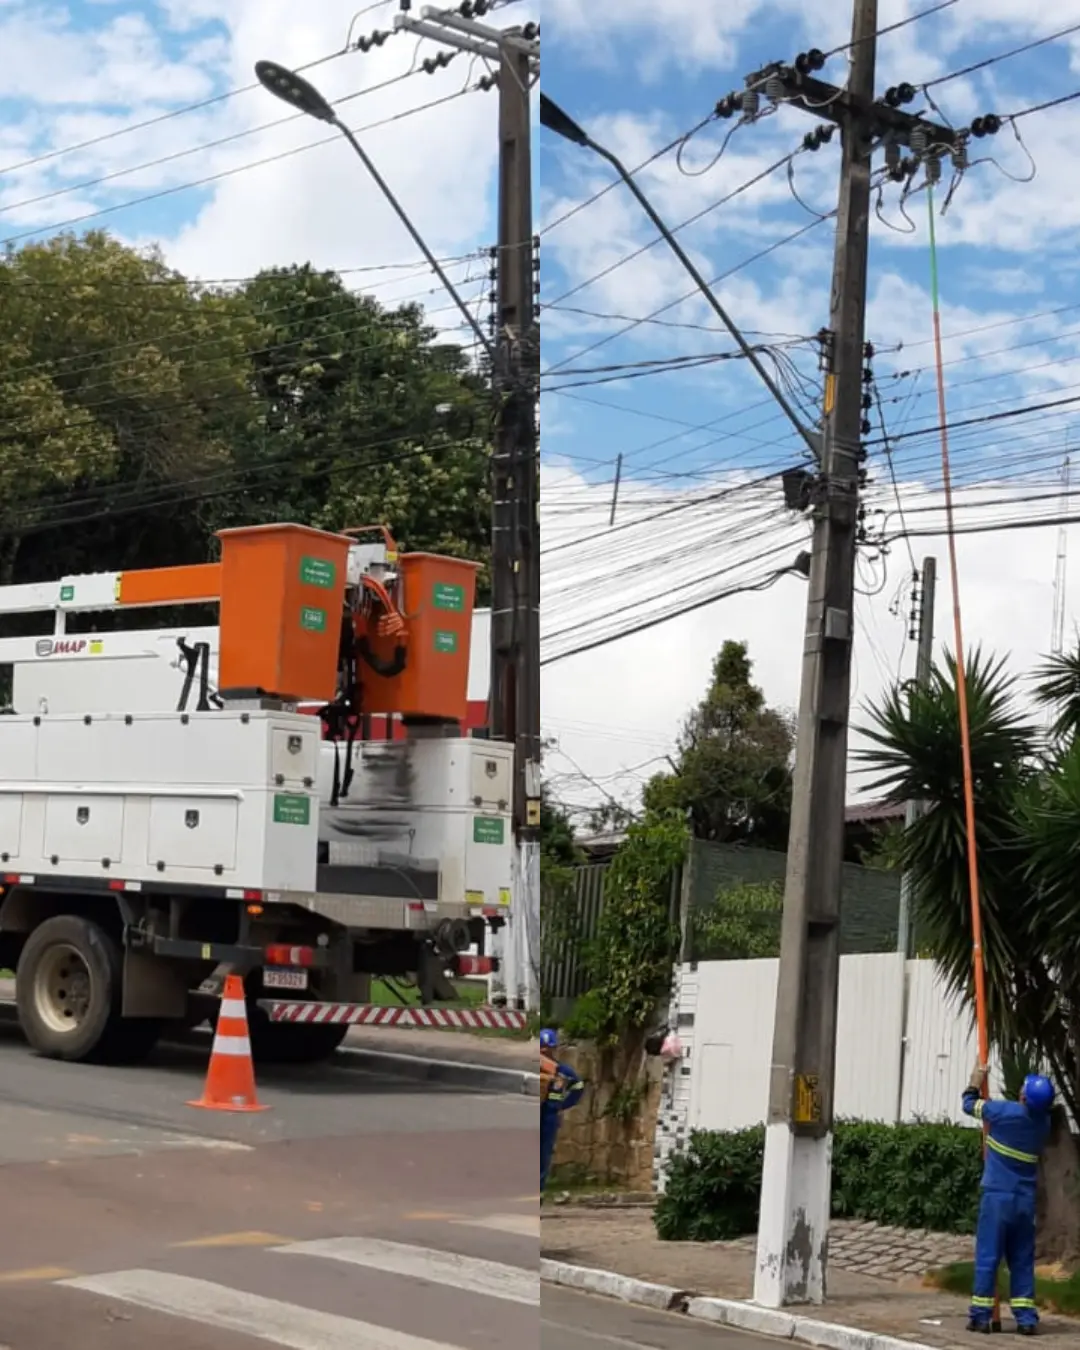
(688, 526)
(159, 88)
(690, 522)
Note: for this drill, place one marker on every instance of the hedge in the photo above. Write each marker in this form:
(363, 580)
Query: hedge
(908, 1176)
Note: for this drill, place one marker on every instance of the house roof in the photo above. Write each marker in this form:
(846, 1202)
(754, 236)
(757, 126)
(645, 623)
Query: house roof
(873, 813)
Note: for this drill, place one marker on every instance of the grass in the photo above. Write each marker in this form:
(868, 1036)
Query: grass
(471, 994)
(1054, 1293)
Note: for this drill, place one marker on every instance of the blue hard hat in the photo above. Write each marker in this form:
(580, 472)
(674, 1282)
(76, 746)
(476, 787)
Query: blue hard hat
(1038, 1092)
(549, 1039)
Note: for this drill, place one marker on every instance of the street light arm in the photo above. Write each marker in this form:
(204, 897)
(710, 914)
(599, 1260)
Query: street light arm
(417, 239)
(555, 119)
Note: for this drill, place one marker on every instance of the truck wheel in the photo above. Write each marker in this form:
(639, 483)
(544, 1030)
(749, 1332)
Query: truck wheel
(68, 989)
(291, 1042)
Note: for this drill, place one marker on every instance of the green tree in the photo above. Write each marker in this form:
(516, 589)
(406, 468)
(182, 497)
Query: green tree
(365, 419)
(121, 381)
(143, 412)
(732, 771)
(1027, 816)
(743, 922)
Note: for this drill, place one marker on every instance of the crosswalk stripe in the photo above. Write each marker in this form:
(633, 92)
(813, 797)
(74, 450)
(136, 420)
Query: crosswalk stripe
(471, 1274)
(265, 1319)
(516, 1225)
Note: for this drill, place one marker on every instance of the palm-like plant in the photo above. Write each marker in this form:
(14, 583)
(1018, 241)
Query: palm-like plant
(1027, 813)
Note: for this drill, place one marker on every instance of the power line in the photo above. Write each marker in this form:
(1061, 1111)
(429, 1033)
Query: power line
(197, 149)
(240, 168)
(344, 303)
(154, 121)
(689, 295)
(675, 229)
(1002, 56)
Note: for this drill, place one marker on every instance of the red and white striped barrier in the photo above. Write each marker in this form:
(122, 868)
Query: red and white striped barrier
(369, 1015)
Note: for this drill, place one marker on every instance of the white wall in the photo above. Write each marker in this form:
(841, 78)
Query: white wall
(895, 1020)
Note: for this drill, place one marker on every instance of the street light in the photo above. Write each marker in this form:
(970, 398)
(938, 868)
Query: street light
(555, 119)
(302, 95)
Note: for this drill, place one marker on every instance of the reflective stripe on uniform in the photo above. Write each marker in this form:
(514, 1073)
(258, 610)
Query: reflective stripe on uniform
(977, 1109)
(1013, 1153)
(977, 1301)
(1021, 1303)
(561, 1094)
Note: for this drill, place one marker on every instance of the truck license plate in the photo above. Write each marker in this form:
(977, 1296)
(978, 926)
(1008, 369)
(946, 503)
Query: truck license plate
(285, 979)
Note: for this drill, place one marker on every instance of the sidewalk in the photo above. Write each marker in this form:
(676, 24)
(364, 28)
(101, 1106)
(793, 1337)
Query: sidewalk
(898, 1306)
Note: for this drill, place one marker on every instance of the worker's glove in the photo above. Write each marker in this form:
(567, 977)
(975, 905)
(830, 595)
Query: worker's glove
(978, 1077)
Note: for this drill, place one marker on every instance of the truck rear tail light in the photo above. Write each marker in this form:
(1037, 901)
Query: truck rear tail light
(475, 965)
(281, 954)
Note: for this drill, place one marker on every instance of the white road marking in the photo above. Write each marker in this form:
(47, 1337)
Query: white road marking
(517, 1225)
(470, 1274)
(265, 1319)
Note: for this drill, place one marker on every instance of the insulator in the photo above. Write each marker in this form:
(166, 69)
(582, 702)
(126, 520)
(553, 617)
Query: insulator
(960, 160)
(892, 96)
(978, 127)
(774, 89)
(750, 101)
(892, 155)
(866, 426)
(727, 105)
(867, 402)
(992, 123)
(919, 140)
(905, 92)
(816, 57)
(933, 169)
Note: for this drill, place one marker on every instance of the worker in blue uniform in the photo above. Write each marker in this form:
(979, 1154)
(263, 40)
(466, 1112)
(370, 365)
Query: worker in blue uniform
(1016, 1134)
(562, 1089)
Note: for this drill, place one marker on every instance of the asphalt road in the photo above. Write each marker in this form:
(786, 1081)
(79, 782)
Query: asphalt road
(359, 1212)
(573, 1321)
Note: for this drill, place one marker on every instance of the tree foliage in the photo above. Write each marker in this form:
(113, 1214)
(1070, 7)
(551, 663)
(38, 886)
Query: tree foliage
(732, 772)
(741, 924)
(1027, 820)
(143, 412)
(637, 936)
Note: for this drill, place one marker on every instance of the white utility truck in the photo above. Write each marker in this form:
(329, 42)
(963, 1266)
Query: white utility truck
(179, 804)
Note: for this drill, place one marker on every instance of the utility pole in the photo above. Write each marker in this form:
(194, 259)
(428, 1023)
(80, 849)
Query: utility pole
(792, 1251)
(924, 662)
(514, 699)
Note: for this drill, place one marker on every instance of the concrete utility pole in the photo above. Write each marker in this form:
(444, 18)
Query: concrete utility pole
(792, 1252)
(923, 665)
(515, 539)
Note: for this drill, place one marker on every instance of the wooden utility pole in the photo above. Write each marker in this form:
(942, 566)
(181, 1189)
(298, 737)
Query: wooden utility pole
(514, 698)
(792, 1252)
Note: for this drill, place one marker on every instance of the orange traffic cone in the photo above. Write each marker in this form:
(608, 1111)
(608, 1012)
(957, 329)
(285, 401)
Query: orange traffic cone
(230, 1080)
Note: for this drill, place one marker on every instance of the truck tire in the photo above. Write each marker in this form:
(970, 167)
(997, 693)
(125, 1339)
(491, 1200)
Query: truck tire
(68, 989)
(285, 1042)
(292, 1042)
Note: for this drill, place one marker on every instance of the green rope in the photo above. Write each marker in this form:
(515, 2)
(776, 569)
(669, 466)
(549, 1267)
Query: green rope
(934, 292)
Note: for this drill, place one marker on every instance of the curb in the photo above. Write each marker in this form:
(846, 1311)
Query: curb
(733, 1313)
(483, 1077)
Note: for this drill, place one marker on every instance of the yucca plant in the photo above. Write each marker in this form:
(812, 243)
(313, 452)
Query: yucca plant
(1027, 818)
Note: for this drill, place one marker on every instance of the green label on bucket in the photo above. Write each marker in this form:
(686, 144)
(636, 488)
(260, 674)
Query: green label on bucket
(290, 809)
(445, 641)
(445, 596)
(317, 572)
(67, 593)
(314, 620)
